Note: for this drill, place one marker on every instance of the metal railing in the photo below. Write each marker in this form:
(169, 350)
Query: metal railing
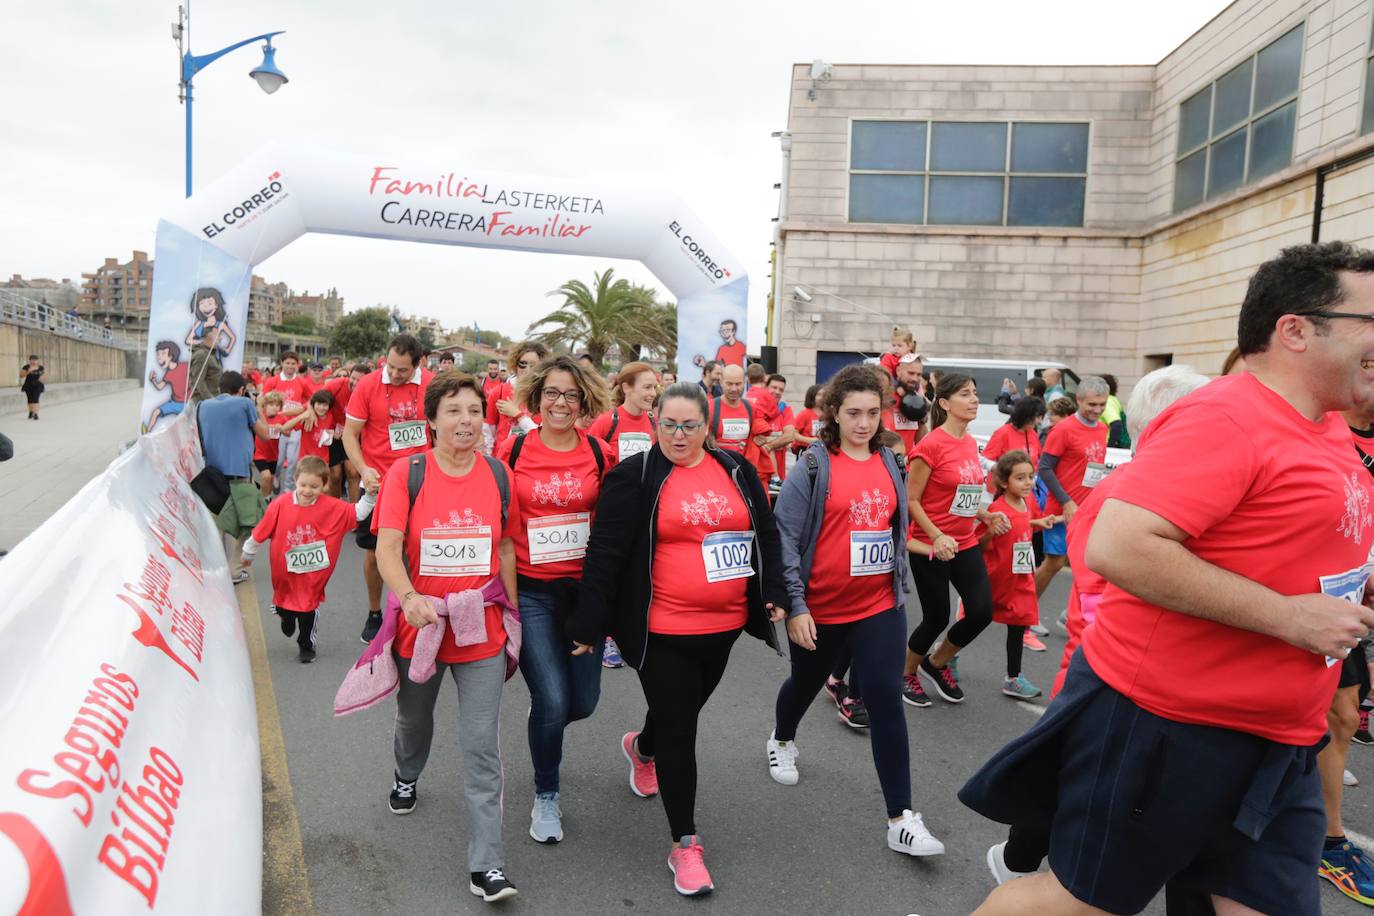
(25, 310)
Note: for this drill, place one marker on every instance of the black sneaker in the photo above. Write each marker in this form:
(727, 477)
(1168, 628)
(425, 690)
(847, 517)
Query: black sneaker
(288, 623)
(374, 623)
(944, 681)
(306, 656)
(403, 796)
(1362, 735)
(838, 690)
(853, 713)
(491, 885)
(913, 694)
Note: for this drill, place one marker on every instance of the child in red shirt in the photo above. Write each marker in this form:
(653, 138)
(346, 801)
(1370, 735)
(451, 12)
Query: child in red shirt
(902, 343)
(315, 442)
(265, 450)
(306, 529)
(1010, 560)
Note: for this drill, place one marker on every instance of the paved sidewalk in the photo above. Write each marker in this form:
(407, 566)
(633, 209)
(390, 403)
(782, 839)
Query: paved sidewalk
(56, 456)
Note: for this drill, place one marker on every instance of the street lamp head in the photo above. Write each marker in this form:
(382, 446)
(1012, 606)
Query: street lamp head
(268, 77)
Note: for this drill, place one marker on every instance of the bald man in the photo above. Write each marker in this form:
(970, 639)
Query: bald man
(736, 424)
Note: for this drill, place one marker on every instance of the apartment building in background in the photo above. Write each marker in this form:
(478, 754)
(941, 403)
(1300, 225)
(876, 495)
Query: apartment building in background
(1104, 216)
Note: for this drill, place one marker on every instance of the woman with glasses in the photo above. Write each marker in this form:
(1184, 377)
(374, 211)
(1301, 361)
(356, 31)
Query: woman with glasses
(557, 471)
(683, 557)
(505, 413)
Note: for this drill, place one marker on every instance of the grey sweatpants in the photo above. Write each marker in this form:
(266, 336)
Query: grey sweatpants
(479, 706)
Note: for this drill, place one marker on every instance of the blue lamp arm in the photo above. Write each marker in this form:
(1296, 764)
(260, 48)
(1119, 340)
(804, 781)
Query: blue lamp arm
(191, 64)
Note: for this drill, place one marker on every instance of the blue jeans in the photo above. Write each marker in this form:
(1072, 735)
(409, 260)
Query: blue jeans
(563, 688)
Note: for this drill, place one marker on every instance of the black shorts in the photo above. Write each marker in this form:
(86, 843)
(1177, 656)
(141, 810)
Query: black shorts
(337, 455)
(1136, 801)
(363, 536)
(1355, 670)
(264, 465)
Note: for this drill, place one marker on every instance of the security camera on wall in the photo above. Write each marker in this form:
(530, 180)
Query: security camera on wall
(800, 294)
(821, 71)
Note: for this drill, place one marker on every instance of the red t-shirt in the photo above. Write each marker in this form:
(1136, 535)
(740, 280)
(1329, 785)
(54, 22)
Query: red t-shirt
(557, 492)
(313, 440)
(890, 362)
(316, 535)
(178, 378)
(784, 419)
(734, 429)
(1010, 560)
(504, 391)
(1076, 445)
(808, 424)
(953, 464)
(1007, 438)
(295, 391)
(338, 387)
(1269, 495)
(266, 449)
(851, 572)
(731, 354)
(1085, 581)
(909, 430)
(489, 385)
(696, 504)
(632, 434)
(462, 514)
(379, 405)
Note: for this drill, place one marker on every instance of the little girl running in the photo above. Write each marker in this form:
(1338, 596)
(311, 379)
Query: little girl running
(1010, 561)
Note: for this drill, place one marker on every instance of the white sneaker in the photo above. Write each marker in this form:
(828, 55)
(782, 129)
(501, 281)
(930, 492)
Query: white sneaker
(782, 761)
(909, 835)
(1349, 779)
(1039, 629)
(997, 864)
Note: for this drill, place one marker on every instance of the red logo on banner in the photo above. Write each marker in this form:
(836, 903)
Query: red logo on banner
(47, 886)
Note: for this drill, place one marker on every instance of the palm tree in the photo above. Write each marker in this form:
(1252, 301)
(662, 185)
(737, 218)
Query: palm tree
(609, 313)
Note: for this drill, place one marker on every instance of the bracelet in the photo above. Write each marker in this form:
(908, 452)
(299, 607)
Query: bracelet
(407, 595)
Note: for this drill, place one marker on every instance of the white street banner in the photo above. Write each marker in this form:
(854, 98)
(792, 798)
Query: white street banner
(283, 192)
(129, 769)
(200, 299)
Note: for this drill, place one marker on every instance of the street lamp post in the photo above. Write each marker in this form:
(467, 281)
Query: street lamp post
(266, 74)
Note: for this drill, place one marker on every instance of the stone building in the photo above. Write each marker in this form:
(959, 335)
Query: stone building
(1104, 216)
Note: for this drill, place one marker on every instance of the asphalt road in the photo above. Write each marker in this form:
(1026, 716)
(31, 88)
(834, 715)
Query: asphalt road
(817, 847)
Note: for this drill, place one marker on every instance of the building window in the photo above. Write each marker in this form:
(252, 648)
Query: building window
(1367, 118)
(968, 173)
(1240, 127)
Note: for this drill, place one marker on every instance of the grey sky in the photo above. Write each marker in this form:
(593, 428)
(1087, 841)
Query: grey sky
(681, 95)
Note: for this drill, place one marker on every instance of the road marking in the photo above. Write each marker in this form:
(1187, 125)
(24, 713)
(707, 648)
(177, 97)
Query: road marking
(1031, 708)
(1359, 839)
(285, 882)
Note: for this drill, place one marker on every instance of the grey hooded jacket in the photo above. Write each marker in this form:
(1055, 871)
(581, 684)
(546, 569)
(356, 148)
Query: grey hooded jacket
(800, 508)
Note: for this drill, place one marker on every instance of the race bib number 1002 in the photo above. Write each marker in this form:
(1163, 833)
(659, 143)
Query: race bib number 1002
(870, 553)
(728, 555)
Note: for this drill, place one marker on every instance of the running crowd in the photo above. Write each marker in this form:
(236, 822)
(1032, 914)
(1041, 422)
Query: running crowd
(543, 519)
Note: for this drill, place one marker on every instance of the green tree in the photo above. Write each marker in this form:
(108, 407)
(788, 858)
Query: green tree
(297, 324)
(361, 333)
(609, 313)
(426, 338)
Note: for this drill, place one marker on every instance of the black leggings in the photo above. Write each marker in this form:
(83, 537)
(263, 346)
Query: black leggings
(678, 675)
(1016, 647)
(969, 577)
(876, 646)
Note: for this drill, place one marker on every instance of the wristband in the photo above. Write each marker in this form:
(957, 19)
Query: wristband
(407, 595)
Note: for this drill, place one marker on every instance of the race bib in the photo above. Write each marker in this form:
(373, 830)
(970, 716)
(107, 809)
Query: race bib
(455, 551)
(728, 555)
(1094, 474)
(307, 558)
(1348, 586)
(734, 430)
(870, 553)
(274, 432)
(967, 498)
(632, 444)
(901, 422)
(407, 434)
(816, 427)
(1022, 557)
(326, 438)
(559, 537)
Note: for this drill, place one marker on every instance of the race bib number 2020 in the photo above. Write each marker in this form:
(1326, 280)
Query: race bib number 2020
(407, 434)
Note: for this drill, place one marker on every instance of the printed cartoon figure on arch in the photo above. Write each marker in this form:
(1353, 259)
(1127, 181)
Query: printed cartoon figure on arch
(211, 325)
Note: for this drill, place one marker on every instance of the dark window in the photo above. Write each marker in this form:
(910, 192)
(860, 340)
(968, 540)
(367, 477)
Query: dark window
(1190, 180)
(963, 200)
(889, 146)
(886, 198)
(1045, 202)
(1271, 141)
(1049, 147)
(968, 147)
(1226, 164)
(1193, 119)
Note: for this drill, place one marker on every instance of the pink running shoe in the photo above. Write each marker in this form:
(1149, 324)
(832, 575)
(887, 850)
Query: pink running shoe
(1032, 642)
(688, 865)
(643, 775)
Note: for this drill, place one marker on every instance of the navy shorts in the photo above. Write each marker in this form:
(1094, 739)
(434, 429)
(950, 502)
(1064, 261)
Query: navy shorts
(1057, 540)
(363, 536)
(1143, 801)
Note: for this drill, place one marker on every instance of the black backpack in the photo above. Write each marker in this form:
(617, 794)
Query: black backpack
(415, 479)
(520, 443)
(715, 415)
(615, 423)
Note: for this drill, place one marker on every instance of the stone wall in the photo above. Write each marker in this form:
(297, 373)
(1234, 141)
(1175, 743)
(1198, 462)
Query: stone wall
(66, 359)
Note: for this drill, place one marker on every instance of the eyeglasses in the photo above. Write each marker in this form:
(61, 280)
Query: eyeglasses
(669, 428)
(524, 365)
(1324, 314)
(572, 397)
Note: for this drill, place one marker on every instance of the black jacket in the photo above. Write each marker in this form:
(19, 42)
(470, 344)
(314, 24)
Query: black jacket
(617, 575)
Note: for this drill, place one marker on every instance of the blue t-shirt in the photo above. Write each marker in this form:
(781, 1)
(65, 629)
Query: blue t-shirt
(226, 425)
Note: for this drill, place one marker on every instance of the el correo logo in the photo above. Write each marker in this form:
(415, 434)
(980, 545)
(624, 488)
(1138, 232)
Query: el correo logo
(254, 201)
(706, 262)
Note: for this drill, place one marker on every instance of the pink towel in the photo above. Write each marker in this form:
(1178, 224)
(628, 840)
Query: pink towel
(466, 613)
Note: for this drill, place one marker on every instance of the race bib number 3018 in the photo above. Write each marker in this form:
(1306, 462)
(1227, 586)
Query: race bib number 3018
(559, 537)
(728, 555)
(455, 551)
